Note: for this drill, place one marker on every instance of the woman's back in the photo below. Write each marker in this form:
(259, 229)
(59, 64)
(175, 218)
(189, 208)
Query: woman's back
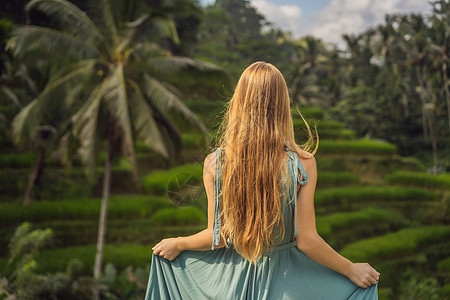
(284, 273)
(288, 198)
(258, 264)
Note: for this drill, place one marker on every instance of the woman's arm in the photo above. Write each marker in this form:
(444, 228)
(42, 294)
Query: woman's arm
(309, 241)
(170, 248)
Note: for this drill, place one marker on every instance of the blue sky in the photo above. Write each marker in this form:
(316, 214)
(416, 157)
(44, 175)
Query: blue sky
(329, 19)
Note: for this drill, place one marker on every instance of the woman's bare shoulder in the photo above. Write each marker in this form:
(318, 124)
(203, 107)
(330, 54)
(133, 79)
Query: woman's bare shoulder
(209, 164)
(308, 160)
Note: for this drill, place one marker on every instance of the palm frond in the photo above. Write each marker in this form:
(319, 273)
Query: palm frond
(106, 12)
(10, 95)
(142, 51)
(116, 99)
(154, 29)
(165, 100)
(23, 73)
(145, 126)
(31, 116)
(51, 41)
(130, 30)
(174, 64)
(70, 18)
(85, 125)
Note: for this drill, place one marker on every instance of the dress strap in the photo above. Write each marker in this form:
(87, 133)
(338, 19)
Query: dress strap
(217, 183)
(297, 166)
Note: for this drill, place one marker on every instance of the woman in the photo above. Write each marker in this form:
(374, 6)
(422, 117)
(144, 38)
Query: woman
(264, 242)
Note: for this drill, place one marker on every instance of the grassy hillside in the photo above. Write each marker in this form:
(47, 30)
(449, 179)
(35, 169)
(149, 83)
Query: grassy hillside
(372, 206)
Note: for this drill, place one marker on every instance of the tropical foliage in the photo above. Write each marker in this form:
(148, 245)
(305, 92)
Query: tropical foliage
(130, 93)
(115, 51)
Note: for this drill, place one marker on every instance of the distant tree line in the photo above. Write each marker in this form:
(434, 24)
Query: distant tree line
(391, 82)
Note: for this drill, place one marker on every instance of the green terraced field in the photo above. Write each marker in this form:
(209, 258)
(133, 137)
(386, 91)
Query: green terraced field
(372, 206)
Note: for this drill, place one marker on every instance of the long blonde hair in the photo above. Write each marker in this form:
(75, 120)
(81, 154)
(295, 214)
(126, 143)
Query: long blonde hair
(256, 128)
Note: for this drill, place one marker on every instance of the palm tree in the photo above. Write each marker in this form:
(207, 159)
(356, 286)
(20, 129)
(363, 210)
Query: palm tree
(306, 89)
(114, 49)
(17, 75)
(418, 53)
(440, 43)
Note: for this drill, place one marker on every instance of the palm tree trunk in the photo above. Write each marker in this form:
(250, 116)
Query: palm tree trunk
(447, 93)
(34, 176)
(103, 218)
(433, 138)
(422, 84)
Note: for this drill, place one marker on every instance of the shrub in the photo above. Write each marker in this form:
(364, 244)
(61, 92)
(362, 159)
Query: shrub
(121, 256)
(385, 293)
(348, 194)
(362, 218)
(18, 160)
(20, 277)
(192, 140)
(161, 181)
(356, 147)
(119, 231)
(331, 134)
(369, 165)
(420, 179)
(444, 265)
(179, 216)
(336, 178)
(308, 113)
(330, 125)
(402, 242)
(327, 129)
(445, 291)
(420, 288)
(87, 208)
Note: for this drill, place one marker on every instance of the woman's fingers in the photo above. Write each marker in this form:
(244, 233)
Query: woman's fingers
(156, 249)
(372, 280)
(157, 245)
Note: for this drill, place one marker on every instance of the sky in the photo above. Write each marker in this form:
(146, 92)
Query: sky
(329, 19)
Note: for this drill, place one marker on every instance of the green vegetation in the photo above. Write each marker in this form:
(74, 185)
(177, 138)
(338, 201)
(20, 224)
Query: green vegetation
(402, 242)
(444, 265)
(79, 209)
(347, 195)
(327, 129)
(192, 140)
(420, 179)
(357, 147)
(179, 216)
(309, 113)
(336, 178)
(331, 134)
(362, 218)
(445, 291)
(140, 97)
(17, 160)
(160, 182)
(25, 274)
(120, 255)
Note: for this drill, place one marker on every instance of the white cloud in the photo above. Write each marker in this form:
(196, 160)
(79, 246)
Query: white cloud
(338, 16)
(351, 17)
(287, 17)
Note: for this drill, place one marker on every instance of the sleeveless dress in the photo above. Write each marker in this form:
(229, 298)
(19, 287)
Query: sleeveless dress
(285, 273)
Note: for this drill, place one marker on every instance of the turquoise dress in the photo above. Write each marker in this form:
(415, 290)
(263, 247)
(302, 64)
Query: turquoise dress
(286, 273)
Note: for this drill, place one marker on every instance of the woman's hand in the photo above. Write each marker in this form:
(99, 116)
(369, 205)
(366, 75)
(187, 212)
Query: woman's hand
(167, 248)
(363, 275)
